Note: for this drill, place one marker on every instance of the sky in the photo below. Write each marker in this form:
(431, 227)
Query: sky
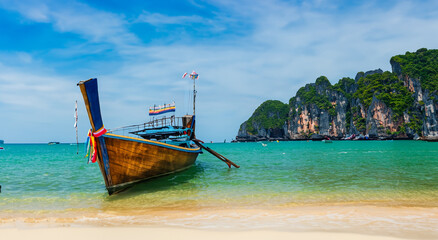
(245, 51)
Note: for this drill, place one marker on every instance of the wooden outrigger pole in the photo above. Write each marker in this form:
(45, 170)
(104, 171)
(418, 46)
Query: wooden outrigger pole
(214, 153)
(198, 142)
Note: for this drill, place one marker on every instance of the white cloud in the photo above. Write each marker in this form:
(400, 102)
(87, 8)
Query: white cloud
(75, 17)
(33, 10)
(37, 106)
(290, 46)
(160, 19)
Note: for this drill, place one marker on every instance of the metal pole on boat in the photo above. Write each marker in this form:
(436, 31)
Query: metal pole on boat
(194, 95)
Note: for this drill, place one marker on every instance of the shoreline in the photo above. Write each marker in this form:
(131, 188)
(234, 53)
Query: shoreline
(332, 139)
(380, 188)
(317, 222)
(133, 233)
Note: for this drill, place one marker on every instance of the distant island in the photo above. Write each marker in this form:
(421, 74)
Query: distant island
(401, 104)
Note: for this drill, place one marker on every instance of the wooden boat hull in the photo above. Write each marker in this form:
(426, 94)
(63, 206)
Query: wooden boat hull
(124, 160)
(133, 160)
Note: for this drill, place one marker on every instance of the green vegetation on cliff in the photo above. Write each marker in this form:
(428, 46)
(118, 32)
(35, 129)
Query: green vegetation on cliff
(387, 88)
(344, 86)
(422, 64)
(270, 114)
(353, 98)
(309, 95)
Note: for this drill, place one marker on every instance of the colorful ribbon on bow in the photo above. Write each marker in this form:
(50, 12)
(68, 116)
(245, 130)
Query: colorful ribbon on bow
(91, 144)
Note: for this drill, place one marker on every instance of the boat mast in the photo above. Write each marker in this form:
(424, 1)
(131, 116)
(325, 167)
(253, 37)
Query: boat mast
(193, 76)
(194, 95)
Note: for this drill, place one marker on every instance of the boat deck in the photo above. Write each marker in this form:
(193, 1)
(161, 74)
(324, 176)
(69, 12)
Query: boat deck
(170, 130)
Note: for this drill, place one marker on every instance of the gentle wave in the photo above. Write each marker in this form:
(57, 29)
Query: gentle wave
(54, 182)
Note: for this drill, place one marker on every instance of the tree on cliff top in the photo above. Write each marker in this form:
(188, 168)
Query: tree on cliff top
(345, 86)
(323, 81)
(310, 95)
(387, 88)
(384, 86)
(269, 115)
(422, 64)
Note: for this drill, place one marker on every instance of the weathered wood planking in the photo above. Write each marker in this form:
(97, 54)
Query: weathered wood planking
(125, 160)
(133, 161)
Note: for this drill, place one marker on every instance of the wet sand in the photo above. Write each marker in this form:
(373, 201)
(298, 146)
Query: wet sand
(344, 221)
(134, 233)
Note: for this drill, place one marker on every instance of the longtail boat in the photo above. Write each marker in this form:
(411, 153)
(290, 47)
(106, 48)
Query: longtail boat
(139, 152)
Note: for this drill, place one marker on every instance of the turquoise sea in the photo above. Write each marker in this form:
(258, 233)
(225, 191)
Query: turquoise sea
(343, 181)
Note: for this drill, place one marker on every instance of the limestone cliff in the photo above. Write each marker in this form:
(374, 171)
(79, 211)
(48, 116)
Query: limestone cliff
(267, 122)
(401, 104)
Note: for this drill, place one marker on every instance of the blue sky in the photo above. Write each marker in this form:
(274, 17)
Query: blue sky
(245, 52)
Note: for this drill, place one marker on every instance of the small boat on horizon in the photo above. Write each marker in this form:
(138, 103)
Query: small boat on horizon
(429, 138)
(52, 143)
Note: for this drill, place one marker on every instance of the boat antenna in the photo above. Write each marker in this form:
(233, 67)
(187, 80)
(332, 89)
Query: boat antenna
(194, 94)
(198, 142)
(193, 76)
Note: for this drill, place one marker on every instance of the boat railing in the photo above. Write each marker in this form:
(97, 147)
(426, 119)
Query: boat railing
(155, 123)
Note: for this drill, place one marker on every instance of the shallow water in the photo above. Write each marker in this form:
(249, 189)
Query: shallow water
(52, 182)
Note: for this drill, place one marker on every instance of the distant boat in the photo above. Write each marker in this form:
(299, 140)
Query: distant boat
(53, 143)
(1, 148)
(430, 138)
(327, 141)
(351, 137)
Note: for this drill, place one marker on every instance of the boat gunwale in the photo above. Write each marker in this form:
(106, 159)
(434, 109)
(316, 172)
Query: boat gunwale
(156, 143)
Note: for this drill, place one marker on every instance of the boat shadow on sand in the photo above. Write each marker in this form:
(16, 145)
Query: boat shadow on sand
(161, 183)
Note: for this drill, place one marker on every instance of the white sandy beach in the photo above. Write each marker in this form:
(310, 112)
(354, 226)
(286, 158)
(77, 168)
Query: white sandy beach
(323, 222)
(116, 233)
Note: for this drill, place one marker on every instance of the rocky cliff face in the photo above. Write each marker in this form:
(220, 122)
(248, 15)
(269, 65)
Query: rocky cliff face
(267, 122)
(317, 110)
(398, 105)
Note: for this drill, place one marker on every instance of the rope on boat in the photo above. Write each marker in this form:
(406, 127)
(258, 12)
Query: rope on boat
(92, 145)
